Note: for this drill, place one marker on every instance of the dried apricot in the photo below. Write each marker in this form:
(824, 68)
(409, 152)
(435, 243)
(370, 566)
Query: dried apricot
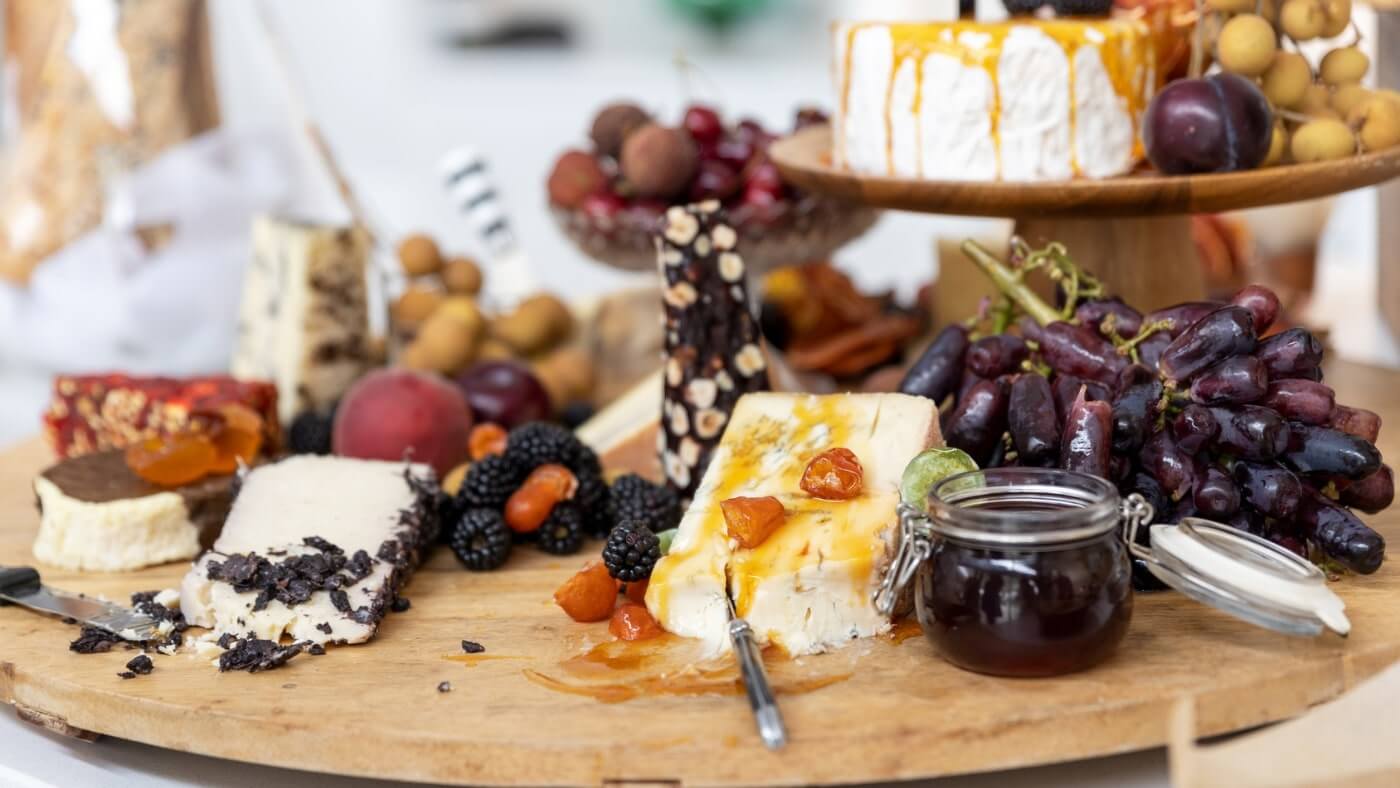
(530, 505)
(237, 435)
(637, 592)
(173, 461)
(632, 621)
(752, 520)
(486, 439)
(833, 475)
(588, 595)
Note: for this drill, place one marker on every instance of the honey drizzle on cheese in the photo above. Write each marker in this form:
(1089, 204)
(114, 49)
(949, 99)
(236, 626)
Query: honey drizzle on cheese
(1124, 42)
(840, 531)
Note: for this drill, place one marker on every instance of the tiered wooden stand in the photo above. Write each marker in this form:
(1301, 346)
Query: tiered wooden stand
(892, 711)
(1133, 232)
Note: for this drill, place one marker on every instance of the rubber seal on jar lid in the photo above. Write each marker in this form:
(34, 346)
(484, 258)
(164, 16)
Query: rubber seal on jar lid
(1247, 577)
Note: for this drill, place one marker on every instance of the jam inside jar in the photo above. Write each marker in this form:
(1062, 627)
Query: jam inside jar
(1028, 575)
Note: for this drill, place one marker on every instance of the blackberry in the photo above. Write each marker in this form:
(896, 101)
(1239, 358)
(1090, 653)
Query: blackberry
(592, 499)
(310, 433)
(481, 540)
(635, 498)
(1081, 7)
(540, 443)
(562, 532)
(490, 482)
(576, 413)
(1022, 7)
(631, 552)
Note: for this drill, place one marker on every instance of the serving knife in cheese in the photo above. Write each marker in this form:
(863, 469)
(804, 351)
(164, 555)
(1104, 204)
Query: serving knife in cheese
(21, 586)
(761, 699)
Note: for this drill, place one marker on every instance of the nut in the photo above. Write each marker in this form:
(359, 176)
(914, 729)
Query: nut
(461, 276)
(448, 340)
(419, 255)
(415, 305)
(537, 324)
(567, 374)
(492, 349)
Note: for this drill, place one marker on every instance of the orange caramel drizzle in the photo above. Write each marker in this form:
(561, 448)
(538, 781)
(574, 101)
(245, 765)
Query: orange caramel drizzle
(1126, 52)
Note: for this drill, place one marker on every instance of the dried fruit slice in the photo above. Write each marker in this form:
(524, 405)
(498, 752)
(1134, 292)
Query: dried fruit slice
(529, 506)
(173, 461)
(485, 440)
(632, 621)
(752, 520)
(834, 475)
(237, 434)
(588, 595)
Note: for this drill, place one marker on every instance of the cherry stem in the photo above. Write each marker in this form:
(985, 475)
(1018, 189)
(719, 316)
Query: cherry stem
(1010, 283)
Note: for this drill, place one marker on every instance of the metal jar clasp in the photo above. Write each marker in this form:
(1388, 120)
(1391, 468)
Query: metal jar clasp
(915, 546)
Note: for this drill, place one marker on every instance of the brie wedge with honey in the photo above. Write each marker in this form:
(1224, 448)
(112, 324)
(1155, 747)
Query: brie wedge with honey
(1021, 100)
(809, 586)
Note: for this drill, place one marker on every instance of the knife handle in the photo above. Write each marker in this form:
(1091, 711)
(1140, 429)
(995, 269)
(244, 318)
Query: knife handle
(761, 699)
(17, 578)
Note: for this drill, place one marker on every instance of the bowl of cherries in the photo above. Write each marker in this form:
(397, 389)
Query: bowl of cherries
(609, 199)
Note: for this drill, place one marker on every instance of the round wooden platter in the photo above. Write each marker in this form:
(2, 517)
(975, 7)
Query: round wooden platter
(805, 159)
(885, 709)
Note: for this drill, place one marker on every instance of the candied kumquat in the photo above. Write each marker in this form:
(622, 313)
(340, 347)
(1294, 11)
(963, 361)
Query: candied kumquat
(588, 595)
(752, 520)
(632, 621)
(637, 592)
(530, 505)
(834, 475)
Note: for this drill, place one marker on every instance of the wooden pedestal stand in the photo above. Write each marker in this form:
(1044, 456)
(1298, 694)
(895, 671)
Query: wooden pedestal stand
(1133, 232)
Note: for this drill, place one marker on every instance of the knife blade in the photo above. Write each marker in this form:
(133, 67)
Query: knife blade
(22, 586)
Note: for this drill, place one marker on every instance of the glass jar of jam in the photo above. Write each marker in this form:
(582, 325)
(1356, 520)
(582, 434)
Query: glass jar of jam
(1027, 573)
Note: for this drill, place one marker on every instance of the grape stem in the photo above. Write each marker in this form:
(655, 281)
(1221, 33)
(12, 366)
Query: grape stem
(1011, 283)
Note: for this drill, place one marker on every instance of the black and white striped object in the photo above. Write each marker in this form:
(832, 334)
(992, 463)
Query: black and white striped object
(468, 180)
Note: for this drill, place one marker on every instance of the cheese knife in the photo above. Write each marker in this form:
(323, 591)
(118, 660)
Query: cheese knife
(761, 699)
(21, 586)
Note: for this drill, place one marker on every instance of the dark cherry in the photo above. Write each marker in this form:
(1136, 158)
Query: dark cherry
(715, 179)
(602, 206)
(504, 393)
(703, 123)
(1221, 123)
(734, 152)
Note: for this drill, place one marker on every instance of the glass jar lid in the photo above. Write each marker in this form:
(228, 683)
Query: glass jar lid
(1247, 577)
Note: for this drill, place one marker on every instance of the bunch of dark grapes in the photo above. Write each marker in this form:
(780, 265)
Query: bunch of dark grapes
(1191, 406)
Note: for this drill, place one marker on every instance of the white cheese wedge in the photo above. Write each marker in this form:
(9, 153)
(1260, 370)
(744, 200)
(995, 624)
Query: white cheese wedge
(304, 320)
(353, 504)
(1020, 100)
(808, 587)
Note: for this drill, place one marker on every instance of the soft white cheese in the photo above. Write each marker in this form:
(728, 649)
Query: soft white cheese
(353, 504)
(1022, 100)
(112, 536)
(808, 587)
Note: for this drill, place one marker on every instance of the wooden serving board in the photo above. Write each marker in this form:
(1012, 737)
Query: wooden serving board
(884, 709)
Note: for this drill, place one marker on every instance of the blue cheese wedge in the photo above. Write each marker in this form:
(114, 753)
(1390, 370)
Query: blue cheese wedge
(315, 549)
(809, 586)
(304, 320)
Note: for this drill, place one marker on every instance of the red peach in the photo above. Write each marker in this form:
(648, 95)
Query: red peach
(395, 414)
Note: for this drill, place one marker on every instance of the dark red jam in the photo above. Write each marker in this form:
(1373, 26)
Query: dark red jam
(1041, 610)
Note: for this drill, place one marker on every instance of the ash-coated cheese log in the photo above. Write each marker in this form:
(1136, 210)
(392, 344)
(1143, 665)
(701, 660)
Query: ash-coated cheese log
(713, 347)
